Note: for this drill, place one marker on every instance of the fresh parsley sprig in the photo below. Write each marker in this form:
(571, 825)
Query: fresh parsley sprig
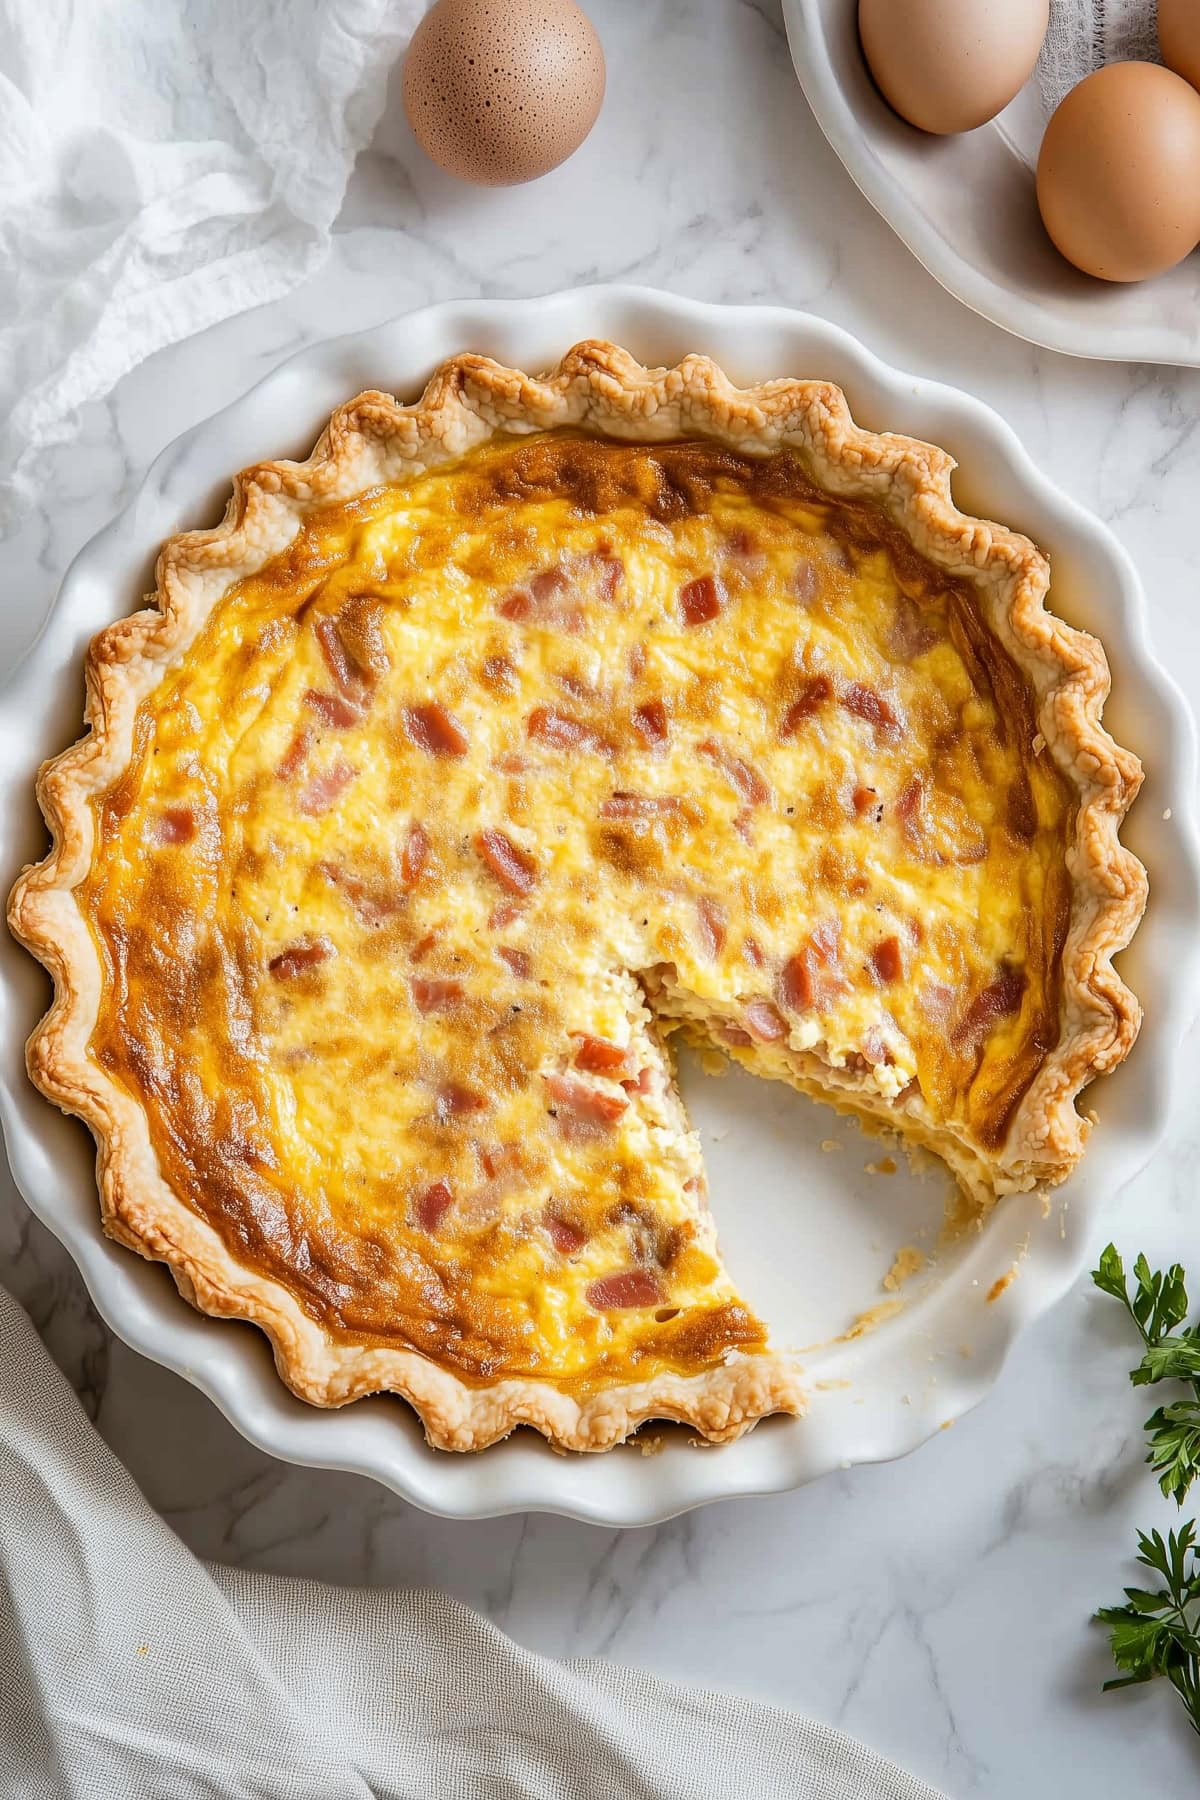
(1157, 1631)
(1158, 1305)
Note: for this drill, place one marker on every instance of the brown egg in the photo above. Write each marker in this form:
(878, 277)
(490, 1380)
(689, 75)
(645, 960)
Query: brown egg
(949, 65)
(1117, 175)
(500, 91)
(1179, 37)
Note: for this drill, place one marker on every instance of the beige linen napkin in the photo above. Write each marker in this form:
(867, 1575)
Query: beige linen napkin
(131, 1671)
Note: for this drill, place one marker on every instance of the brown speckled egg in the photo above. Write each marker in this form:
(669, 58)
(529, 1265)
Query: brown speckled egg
(950, 65)
(1179, 37)
(1116, 174)
(501, 91)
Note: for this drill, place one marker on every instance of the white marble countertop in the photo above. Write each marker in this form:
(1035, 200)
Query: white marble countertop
(937, 1608)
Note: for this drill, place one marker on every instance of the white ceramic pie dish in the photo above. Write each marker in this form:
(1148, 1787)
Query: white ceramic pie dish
(809, 1234)
(965, 207)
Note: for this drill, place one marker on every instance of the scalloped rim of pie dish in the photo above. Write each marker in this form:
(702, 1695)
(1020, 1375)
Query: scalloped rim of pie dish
(374, 440)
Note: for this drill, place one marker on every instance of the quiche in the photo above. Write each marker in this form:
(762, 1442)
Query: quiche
(469, 763)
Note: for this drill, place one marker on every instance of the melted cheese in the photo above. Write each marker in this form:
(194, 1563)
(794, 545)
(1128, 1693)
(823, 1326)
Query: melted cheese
(548, 751)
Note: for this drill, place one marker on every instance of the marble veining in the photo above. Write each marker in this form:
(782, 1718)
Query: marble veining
(935, 1607)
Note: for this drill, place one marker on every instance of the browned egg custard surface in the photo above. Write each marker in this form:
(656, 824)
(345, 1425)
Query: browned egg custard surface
(487, 782)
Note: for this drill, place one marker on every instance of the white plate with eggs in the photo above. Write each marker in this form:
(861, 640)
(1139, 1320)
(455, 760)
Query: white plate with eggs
(966, 205)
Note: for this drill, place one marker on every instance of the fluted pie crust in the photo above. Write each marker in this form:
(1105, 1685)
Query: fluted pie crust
(725, 1375)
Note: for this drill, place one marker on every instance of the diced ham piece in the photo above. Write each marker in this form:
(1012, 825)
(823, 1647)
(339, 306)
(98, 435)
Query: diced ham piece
(548, 582)
(796, 983)
(435, 730)
(334, 651)
(909, 808)
(910, 799)
(415, 854)
(587, 1104)
(560, 730)
(643, 1083)
(866, 703)
(433, 1204)
(517, 960)
(503, 913)
(999, 1000)
(864, 801)
(699, 601)
(887, 960)
(373, 898)
(632, 1287)
(546, 599)
(623, 805)
(712, 921)
(875, 1051)
(353, 646)
(811, 979)
(741, 774)
(752, 953)
(295, 754)
(650, 722)
(597, 1056)
(433, 993)
(177, 825)
(814, 692)
(512, 866)
(500, 1161)
(454, 1101)
(333, 709)
(909, 633)
(566, 1237)
(764, 1022)
(607, 572)
(423, 946)
(318, 794)
(298, 958)
(733, 1034)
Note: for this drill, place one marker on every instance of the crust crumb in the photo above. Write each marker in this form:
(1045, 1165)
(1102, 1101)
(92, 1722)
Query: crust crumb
(909, 1261)
(1004, 1281)
(872, 1319)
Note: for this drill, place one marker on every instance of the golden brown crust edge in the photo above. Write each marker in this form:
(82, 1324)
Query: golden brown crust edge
(373, 439)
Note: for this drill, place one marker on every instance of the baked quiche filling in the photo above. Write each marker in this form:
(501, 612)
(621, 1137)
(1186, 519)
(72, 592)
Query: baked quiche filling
(490, 782)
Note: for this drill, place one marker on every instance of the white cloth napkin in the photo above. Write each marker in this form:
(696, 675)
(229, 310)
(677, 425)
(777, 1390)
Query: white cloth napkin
(1084, 34)
(131, 1671)
(162, 166)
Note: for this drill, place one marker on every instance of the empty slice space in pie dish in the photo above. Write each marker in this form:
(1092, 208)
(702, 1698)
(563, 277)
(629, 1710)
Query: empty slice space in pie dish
(457, 780)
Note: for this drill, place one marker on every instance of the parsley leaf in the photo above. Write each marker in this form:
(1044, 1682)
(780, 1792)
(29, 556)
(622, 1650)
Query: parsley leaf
(1157, 1631)
(1158, 1305)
